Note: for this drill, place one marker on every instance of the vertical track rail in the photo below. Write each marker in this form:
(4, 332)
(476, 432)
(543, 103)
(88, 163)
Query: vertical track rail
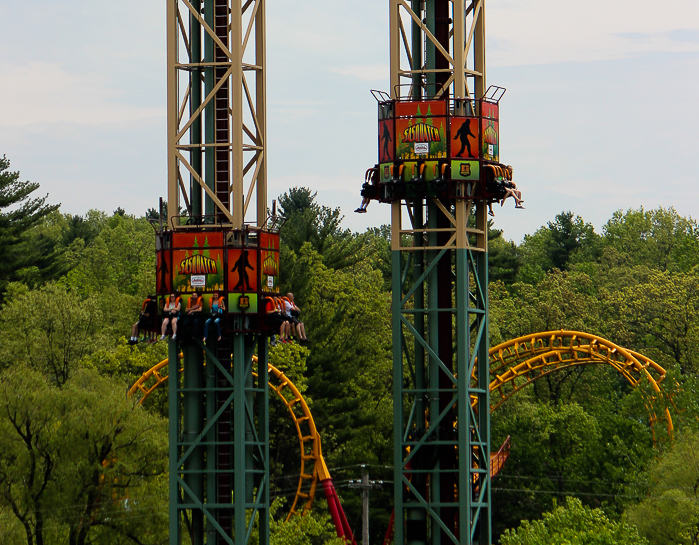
(221, 108)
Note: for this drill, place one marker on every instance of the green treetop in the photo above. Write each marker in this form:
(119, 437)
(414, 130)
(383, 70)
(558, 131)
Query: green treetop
(19, 213)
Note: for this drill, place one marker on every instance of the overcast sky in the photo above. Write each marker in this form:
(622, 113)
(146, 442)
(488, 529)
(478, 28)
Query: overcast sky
(601, 110)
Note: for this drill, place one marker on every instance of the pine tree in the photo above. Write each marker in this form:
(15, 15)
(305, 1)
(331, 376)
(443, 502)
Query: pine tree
(19, 213)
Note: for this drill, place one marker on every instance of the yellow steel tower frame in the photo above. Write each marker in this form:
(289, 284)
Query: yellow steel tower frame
(221, 49)
(407, 67)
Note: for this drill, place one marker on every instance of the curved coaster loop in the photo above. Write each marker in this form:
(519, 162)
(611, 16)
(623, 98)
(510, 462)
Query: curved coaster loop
(309, 439)
(516, 364)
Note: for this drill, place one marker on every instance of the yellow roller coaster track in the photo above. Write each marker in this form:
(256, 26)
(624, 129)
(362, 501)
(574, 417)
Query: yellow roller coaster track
(514, 365)
(309, 439)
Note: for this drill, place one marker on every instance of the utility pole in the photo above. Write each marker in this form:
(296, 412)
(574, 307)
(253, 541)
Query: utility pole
(366, 485)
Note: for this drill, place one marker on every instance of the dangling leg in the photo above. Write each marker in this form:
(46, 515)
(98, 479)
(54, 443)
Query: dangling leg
(206, 329)
(164, 329)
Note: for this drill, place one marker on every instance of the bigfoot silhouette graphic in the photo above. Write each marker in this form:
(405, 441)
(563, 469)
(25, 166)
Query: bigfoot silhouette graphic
(163, 270)
(240, 267)
(463, 133)
(386, 139)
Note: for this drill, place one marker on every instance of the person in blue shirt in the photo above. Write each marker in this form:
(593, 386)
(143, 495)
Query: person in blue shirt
(218, 307)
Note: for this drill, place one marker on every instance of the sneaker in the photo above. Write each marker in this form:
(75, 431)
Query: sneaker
(162, 337)
(174, 336)
(272, 342)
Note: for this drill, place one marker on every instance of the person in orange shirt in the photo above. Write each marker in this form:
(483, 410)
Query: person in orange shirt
(146, 321)
(274, 320)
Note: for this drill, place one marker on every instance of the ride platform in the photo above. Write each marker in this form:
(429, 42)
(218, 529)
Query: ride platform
(241, 265)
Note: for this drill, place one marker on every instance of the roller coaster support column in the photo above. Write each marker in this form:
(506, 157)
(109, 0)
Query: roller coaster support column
(440, 273)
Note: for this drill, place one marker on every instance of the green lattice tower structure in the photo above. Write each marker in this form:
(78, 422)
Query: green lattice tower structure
(218, 238)
(439, 168)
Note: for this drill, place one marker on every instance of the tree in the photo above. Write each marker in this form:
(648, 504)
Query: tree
(661, 238)
(348, 320)
(561, 300)
(566, 241)
(80, 462)
(598, 450)
(50, 330)
(573, 524)
(659, 316)
(315, 528)
(570, 236)
(503, 257)
(307, 221)
(19, 213)
(671, 512)
(121, 257)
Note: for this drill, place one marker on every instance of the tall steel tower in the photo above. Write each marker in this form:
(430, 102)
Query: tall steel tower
(439, 168)
(214, 241)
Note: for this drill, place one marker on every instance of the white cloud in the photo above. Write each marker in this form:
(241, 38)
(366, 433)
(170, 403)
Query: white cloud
(40, 93)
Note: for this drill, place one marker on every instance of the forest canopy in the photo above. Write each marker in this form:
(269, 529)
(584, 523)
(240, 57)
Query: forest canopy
(583, 451)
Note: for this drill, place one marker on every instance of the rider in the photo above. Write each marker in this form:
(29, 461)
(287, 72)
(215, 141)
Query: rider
(146, 320)
(192, 315)
(370, 189)
(218, 307)
(293, 312)
(274, 320)
(171, 313)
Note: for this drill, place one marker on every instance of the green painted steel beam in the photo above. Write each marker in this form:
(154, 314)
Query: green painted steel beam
(200, 398)
(173, 433)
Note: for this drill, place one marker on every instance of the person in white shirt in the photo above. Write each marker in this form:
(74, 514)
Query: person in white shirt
(292, 315)
(171, 313)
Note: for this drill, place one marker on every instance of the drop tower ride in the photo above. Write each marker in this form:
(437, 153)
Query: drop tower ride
(439, 169)
(218, 238)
